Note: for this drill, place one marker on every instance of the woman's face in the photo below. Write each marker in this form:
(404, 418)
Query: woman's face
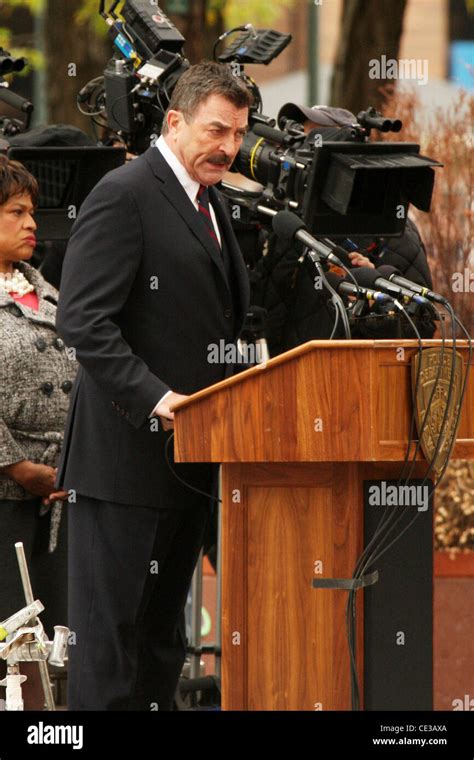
(17, 231)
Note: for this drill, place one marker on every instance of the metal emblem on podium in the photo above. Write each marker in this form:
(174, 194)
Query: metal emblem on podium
(439, 428)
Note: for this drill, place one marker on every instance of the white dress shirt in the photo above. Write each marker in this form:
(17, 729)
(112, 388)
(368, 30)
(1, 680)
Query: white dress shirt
(191, 188)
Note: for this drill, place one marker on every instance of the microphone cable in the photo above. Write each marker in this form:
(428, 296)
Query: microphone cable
(376, 556)
(384, 525)
(181, 480)
(386, 518)
(406, 478)
(452, 442)
(336, 299)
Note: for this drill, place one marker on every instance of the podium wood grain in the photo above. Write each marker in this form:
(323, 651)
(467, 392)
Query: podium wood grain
(283, 641)
(360, 390)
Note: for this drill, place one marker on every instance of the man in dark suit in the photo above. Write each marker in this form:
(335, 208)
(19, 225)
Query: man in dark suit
(152, 279)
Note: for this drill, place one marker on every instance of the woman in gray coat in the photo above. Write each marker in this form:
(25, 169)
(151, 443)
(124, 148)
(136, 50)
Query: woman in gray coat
(36, 377)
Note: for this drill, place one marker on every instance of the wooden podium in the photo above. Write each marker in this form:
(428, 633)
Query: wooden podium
(297, 437)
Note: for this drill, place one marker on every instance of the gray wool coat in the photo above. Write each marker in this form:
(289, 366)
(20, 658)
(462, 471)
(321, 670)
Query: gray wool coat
(36, 377)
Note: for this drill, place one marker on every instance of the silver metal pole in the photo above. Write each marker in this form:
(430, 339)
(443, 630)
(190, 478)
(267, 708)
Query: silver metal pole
(196, 616)
(28, 591)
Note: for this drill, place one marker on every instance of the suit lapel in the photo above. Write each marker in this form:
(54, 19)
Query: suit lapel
(174, 192)
(172, 189)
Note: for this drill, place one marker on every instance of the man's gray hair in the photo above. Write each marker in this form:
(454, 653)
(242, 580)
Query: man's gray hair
(201, 81)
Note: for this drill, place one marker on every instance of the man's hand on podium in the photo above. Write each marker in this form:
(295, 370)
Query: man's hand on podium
(163, 410)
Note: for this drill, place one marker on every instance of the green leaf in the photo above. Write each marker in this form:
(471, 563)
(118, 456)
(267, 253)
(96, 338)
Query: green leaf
(256, 12)
(35, 6)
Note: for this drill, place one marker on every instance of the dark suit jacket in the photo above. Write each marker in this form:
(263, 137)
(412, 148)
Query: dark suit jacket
(143, 294)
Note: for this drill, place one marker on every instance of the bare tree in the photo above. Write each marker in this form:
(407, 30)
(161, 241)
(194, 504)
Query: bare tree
(368, 30)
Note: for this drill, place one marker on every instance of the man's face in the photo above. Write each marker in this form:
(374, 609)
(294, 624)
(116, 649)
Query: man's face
(17, 230)
(208, 144)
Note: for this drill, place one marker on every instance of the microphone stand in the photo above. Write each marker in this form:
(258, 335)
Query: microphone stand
(336, 299)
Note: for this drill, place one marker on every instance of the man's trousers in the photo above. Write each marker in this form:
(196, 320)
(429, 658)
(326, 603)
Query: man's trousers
(130, 568)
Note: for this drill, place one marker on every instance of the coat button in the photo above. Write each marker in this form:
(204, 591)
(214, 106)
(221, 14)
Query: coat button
(58, 343)
(228, 313)
(47, 388)
(66, 386)
(40, 344)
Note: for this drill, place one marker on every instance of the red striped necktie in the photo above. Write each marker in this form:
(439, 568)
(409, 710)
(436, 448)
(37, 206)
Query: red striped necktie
(205, 212)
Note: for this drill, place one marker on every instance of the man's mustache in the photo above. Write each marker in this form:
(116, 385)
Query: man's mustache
(220, 160)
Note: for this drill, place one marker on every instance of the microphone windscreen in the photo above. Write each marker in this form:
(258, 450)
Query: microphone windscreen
(386, 271)
(364, 276)
(286, 224)
(333, 279)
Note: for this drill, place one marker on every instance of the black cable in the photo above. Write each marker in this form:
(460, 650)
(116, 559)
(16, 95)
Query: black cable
(336, 298)
(91, 88)
(184, 482)
(440, 439)
(114, 105)
(336, 321)
(158, 97)
(379, 551)
(359, 569)
(388, 515)
(375, 556)
(427, 412)
(224, 36)
(417, 381)
(463, 392)
(167, 95)
(389, 519)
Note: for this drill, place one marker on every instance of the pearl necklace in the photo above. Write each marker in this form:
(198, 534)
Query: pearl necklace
(15, 283)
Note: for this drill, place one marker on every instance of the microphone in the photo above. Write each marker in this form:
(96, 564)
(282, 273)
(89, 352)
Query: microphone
(420, 289)
(348, 288)
(289, 226)
(345, 287)
(375, 278)
(15, 101)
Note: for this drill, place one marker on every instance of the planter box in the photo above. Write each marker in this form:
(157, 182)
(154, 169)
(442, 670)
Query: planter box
(453, 626)
(454, 564)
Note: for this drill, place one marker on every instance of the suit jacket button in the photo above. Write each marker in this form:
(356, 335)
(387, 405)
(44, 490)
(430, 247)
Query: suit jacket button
(228, 313)
(66, 386)
(40, 344)
(47, 388)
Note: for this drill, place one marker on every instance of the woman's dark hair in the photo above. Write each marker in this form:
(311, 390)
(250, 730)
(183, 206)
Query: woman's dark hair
(15, 179)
